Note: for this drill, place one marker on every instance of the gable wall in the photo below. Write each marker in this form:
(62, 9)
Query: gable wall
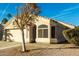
(9, 24)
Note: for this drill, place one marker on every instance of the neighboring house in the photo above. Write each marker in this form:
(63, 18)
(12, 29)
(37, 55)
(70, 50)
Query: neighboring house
(1, 31)
(44, 30)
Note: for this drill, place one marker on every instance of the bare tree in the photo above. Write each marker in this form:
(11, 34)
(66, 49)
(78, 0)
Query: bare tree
(26, 16)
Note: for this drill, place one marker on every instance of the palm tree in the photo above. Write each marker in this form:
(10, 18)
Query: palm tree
(4, 21)
(9, 15)
(8, 35)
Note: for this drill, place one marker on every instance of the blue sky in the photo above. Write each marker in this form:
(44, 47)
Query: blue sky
(6, 8)
(66, 12)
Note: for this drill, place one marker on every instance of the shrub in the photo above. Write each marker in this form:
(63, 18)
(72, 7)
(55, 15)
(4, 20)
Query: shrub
(72, 35)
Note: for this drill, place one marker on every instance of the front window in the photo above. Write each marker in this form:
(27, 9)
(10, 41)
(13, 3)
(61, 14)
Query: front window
(43, 31)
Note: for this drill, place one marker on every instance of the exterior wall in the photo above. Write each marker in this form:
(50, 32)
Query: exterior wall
(42, 21)
(16, 35)
(9, 24)
(58, 32)
(43, 40)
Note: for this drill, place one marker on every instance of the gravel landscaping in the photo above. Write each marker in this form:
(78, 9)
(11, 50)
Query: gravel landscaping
(41, 49)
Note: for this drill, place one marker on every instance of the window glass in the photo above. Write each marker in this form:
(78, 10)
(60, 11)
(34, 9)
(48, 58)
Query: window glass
(40, 33)
(43, 31)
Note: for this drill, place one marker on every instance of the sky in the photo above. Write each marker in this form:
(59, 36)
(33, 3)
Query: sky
(65, 12)
(6, 8)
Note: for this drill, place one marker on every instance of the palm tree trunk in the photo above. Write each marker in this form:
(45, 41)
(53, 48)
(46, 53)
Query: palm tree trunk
(23, 42)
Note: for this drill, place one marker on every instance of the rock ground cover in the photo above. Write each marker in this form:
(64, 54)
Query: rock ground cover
(41, 49)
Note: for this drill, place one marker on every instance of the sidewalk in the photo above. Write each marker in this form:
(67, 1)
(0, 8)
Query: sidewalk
(5, 44)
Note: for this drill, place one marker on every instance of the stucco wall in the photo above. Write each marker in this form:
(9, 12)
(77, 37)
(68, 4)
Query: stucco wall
(43, 21)
(16, 35)
(43, 40)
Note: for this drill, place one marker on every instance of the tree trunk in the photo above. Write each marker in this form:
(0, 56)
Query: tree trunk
(23, 42)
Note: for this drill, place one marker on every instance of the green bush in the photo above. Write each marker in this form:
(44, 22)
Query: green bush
(72, 35)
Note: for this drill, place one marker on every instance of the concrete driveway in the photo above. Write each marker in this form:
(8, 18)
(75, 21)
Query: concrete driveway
(5, 44)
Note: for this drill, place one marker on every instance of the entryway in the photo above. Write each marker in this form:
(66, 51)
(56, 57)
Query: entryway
(34, 33)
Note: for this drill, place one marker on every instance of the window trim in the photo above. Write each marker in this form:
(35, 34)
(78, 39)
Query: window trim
(42, 29)
(45, 26)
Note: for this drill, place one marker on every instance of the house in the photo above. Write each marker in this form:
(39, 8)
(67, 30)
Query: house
(1, 31)
(45, 30)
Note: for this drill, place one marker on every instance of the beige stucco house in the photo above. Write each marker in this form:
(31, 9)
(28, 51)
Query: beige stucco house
(45, 30)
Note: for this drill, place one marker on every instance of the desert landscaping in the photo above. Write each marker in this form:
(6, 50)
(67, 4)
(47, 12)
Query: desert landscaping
(39, 49)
